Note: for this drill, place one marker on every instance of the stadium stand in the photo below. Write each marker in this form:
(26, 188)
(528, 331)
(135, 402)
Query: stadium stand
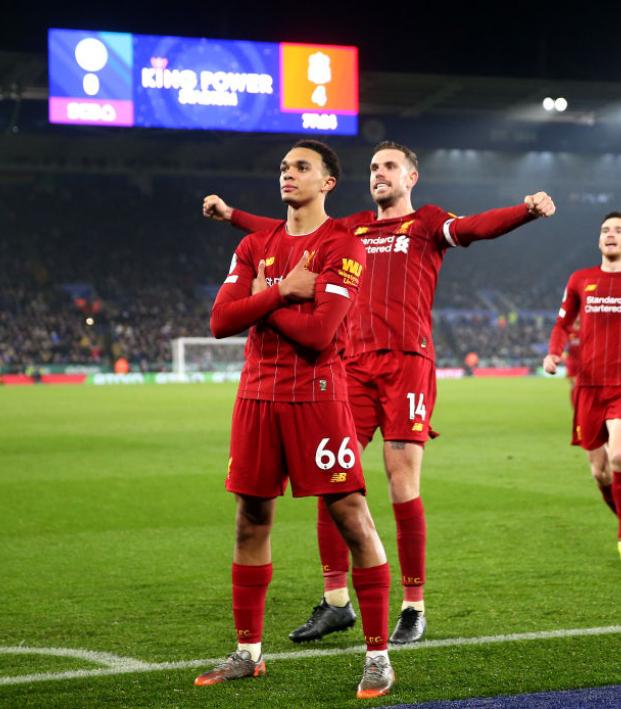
(137, 258)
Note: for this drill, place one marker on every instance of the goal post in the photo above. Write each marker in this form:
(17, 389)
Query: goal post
(207, 354)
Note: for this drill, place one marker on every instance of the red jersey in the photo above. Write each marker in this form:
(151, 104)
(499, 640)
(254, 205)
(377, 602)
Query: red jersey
(404, 255)
(595, 296)
(277, 366)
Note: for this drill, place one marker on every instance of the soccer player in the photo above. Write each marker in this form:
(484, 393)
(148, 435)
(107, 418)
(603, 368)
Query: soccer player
(594, 295)
(291, 418)
(390, 362)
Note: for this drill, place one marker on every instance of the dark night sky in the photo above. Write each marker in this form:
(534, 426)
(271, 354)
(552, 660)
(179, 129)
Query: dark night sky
(535, 39)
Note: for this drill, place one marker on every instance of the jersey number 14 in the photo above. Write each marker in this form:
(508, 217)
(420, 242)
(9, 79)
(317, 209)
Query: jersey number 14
(417, 409)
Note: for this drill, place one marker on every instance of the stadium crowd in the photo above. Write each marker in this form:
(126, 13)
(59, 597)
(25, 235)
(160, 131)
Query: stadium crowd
(130, 264)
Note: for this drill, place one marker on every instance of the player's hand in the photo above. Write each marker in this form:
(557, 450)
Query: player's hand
(549, 363)
(540, 204)
(299, 283)
(214, 207)
(259, 283)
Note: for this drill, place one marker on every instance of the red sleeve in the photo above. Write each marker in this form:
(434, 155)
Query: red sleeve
(314, 330)
(251, 222)
(462, 231)
(234, 309)
(570, 307)
(335, 290)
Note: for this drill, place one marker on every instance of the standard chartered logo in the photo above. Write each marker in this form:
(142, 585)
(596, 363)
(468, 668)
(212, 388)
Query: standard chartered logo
(606, 304)
(386, 244)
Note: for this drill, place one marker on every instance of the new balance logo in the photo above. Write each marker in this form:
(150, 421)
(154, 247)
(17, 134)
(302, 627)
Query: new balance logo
(338, 478)
(417, 427)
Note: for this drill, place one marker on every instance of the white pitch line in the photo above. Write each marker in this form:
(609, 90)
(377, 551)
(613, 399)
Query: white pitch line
(99, 658)
(125, 665)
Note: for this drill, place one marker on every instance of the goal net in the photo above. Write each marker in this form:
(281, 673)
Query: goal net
(206, 354)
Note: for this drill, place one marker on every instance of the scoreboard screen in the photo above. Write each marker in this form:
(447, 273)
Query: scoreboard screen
(149, 81)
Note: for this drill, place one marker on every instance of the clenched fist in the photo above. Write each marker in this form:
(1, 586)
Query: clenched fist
(214, 207)
(549, 363)
(540, 204)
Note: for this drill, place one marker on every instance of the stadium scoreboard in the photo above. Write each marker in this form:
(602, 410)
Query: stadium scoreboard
(122, 79)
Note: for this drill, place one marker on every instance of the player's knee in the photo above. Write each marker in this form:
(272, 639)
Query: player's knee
(248, 533)
(251, 512)
(358, 531)
(615, 459)
(253, 525)
(596, 473)
(599, 471)
(403, 483)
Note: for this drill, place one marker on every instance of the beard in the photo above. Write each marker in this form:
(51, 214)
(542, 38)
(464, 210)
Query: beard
(612, 257)
(387, 199)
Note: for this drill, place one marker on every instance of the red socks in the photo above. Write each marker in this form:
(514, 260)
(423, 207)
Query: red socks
(411, 543)
(333, 551)
(249, 590)
(616, 494)
(606, 491)
(372, 588)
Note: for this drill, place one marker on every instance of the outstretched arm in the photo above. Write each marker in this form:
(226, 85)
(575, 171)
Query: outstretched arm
(214, 207)
(462, 231)
(251, 222)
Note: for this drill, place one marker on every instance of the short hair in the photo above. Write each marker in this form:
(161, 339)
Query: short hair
(611, 215)
(329, 158)
(391, 145)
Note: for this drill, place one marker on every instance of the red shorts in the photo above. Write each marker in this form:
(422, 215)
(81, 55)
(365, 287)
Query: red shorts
(393, 391)
(593, 406)
(311, 443)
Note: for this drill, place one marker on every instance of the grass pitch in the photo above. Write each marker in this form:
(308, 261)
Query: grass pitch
(116, 536)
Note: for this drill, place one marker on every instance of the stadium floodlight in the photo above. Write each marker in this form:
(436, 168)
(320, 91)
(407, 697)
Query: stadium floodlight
(561, 104)
(548, 103)
(207, 354)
